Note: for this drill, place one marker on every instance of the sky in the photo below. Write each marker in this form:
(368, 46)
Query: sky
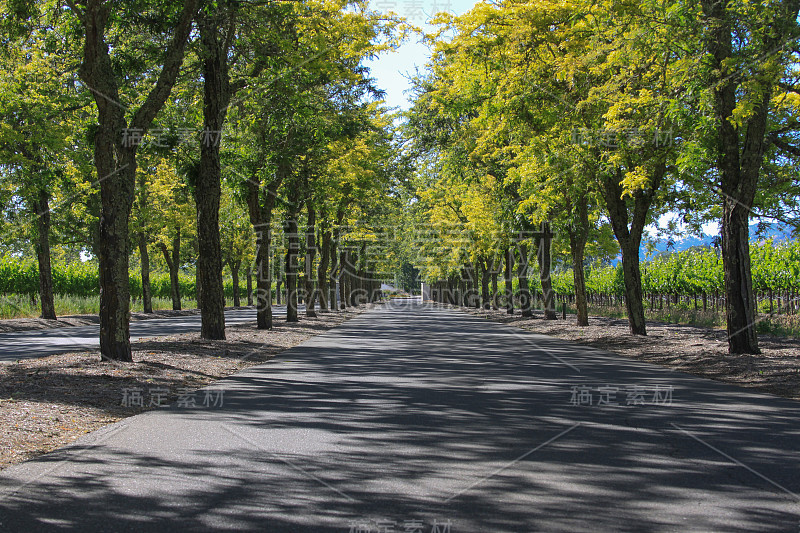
(391, 69)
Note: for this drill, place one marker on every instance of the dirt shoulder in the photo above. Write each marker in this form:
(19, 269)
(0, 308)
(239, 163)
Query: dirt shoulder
(695, 350)
(13, 325)
(49, 402)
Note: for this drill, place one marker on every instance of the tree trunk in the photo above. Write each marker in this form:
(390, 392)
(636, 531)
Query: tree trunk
(630, 238)
(322, 271)
(578, 235)
(334, 271)
(147, 294)
(545, 263)
(509, 281)
(249, 285)
(115, 161)
(292, 251)
(577, 248)
(740, 148)
(526, 302)
(260, 204)
(311, 251)
(216, 95)
(235, 265)
(173, 262)
(485, 299)
(42, 208)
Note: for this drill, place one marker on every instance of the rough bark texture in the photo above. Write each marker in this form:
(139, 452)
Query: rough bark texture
(115, 161)
(173, 261)
(740, 151)
(629, 237)
(578, 235)
(485, 299)
(216, 95)
(545, 262)
(249, 284)
(322, 270)
(42, 208)
(292, 251)
(509, 281)
(526, 302)
(334, 271)
(235, 265)
(144, 255)
(260, 203)
(311, 251)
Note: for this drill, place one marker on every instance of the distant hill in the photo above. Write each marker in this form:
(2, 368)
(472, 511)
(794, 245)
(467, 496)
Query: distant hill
(765, 231)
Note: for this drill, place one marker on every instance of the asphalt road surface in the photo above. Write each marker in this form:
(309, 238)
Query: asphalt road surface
(42, 342)
(417, 419)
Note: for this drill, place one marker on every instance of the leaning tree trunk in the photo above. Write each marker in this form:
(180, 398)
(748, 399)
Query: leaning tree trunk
(147, 293)
(42, 208)
(216, 95)
(311, 251)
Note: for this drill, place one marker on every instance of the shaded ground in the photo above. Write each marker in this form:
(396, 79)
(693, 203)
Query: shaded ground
(12, 325)
(48, 402)
(409, 418)
(696, 350)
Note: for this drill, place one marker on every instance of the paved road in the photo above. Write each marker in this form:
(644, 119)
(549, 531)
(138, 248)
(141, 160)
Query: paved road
(41, 342)
(414, 414)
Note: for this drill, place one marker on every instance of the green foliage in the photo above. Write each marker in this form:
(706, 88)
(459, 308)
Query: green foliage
(775, 266)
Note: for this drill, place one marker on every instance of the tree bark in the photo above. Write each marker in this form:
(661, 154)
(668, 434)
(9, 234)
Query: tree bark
(322, 271)
(545, 262)
(509, 281)
(249, 285)
(147, 293)
(335, 274)
(115, 161)
(578, 235)
(173, 262)
(292, 251)
(740, 150)
(216, 95)
(235, 265)
(526, 302)
(485, 299)
(311, 251)
(260, 204)
(46, 297)
(630, 237)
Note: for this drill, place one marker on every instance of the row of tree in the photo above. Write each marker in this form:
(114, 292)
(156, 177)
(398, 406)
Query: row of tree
(141, 125)
(599, 118)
